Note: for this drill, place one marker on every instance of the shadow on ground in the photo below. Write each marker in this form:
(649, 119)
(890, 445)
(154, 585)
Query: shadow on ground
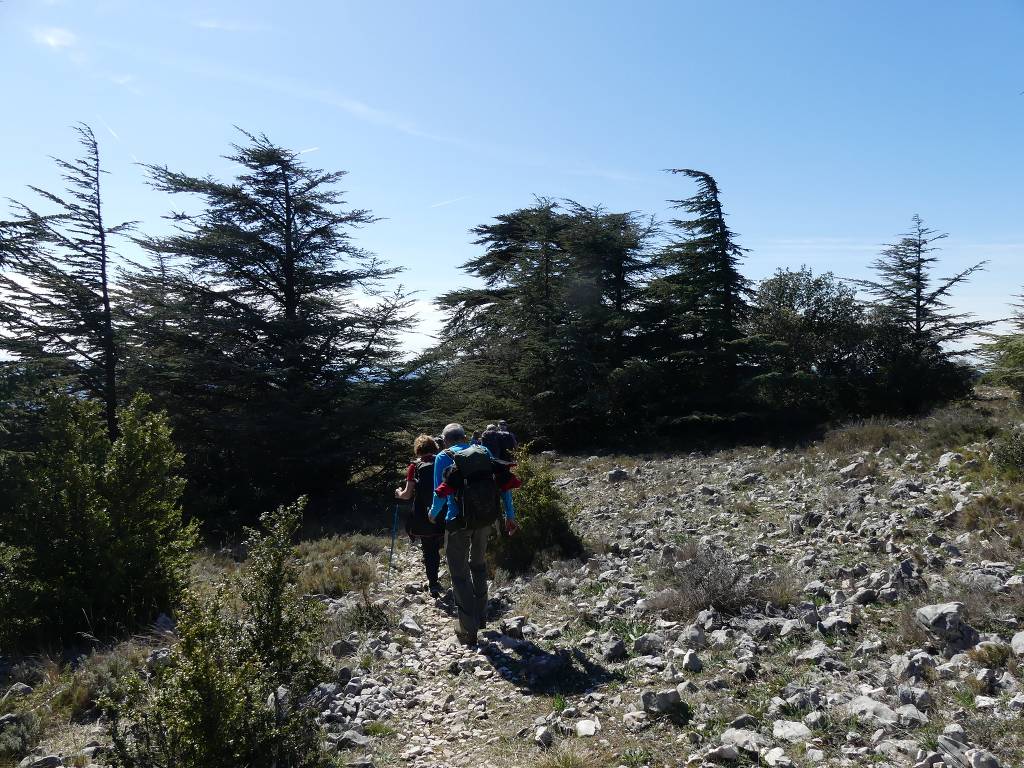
(562, 671)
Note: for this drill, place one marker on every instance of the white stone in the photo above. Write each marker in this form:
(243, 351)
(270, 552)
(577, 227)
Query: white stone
(1017, 644)
(750, 742)
(865, 706)
(789, 730)
(981, 758)
(587, 728)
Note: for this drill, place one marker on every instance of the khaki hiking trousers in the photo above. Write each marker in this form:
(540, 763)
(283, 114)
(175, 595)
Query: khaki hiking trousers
(467, 567)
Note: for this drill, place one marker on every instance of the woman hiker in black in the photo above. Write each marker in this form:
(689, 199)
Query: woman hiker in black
(419, 486)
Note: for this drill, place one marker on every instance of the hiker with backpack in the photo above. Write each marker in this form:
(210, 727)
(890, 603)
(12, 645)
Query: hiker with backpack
(510, 436)
(419, 487)
(500, 442)
(472, 486)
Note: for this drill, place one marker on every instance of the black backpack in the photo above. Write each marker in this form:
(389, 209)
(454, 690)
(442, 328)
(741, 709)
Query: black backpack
(419, 523)
(476, 491)
(500, 445)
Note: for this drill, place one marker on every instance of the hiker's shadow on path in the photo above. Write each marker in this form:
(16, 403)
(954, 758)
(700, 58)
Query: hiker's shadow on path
(562, 671)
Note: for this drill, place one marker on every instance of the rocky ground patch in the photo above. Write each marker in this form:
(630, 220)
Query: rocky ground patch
(860, 600)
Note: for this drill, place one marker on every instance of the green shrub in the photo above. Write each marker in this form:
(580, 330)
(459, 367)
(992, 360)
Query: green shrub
(542, 512)
(94, 541)
(1009, 450)
(76, 692)
(19, 737)
(233, 689)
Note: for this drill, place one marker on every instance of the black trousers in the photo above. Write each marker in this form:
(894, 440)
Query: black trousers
(431, 555)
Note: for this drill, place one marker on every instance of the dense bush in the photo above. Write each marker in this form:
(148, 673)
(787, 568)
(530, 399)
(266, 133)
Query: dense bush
(94, 541)
(234, 688)
(1009, 450)
(542, 512)
(704, 576)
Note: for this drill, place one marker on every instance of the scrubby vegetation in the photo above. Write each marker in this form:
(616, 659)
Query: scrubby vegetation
(1009, 450)
(93, 539)
(336, 565)
(704, 577)
(233, 689)
(255, 358)
(543, 514)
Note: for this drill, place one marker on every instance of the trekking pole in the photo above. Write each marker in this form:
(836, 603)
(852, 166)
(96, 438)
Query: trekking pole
(394, 535)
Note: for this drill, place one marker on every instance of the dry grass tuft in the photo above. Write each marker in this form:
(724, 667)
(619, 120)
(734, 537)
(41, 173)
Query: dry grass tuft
(339, 564)
(65, 698)
(566, 756)
(704, 577)
(944, 429)
(999, 514)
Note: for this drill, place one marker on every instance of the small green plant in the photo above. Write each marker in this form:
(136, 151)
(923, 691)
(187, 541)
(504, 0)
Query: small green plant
(19, 736)
(991, 655)
(378, 730)
(559, 703)
(629, 628)
(366, 617)
(542, 512)
(964, 696)
(1009, 451)
(230, 692)
(636, 757)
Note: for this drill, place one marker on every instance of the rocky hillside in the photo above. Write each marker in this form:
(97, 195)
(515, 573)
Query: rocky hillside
(858, 601)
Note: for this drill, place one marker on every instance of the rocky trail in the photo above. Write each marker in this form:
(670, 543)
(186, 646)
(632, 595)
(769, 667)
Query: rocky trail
(865, 626)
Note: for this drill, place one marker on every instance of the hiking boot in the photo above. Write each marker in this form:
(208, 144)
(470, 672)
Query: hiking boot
(466, 638)
(435, 590)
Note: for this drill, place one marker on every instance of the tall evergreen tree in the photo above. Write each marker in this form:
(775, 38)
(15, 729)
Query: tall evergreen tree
(919, 338)
(543, 339)
(280, 352)
(505, 334)
(59, 312)
(913, 299)
(610, 260)
(1004, 352)
(699, 305)
(611, 263)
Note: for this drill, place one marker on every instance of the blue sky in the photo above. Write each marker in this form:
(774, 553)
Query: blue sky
(827, 124)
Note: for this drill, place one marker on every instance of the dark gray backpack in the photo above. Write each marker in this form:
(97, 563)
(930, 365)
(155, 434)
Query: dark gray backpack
(476, 491)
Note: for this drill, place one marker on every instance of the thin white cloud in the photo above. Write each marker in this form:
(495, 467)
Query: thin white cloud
(308, 149)
(443, 203)
(128, 82)
(54, 37)
(301, 90)
(110, 130)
